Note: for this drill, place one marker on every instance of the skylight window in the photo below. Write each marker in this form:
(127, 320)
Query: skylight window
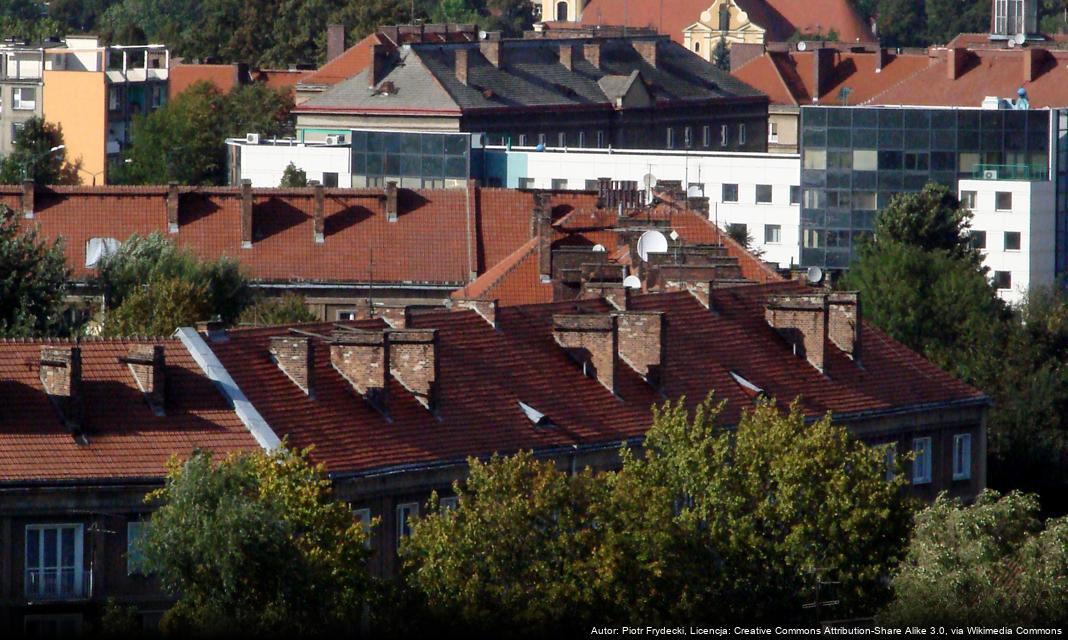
(537, 418)
(748, 387)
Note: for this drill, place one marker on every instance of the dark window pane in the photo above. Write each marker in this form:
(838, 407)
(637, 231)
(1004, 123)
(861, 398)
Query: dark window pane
(917, 119)
(455, 167)
(890, 138)
(374, 164)
(814, 116)
(359, 163)
(815, 138)
(376, 141)
(944, 139)
(359, 140)
(968, 140)
(839, 117)
(890, 119)
(917, 139)
(433, 166)
(409, 165)
(838, 138)
(409, 143)
(889, 160)
(944, 119)
(865, 118)
(433, 144)
(455, 145)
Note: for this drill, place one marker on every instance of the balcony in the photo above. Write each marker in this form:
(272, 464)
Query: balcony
(54, 584)
(1020, 172)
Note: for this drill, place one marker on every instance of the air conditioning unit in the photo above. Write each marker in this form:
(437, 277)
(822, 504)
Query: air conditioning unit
(990, 174)
(334, 139)
(252, 138)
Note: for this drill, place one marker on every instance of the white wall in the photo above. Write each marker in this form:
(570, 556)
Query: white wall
(264, 164)
(1032, 216)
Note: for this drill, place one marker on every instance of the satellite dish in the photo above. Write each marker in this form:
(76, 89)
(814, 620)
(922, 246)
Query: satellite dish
(632, 282)
(1012, 43)
(651, 242)
(801, 46)
(814, 275)
(649, 180)
(1020, 38)
(599, 248)
(482, 35)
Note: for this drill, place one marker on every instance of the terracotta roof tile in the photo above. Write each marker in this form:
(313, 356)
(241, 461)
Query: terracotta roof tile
(351, 62)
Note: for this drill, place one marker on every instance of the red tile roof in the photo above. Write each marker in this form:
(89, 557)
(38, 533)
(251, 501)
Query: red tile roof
(182, 76)
(780, 18)
(126, 439)
(351, 62)
(483, 373)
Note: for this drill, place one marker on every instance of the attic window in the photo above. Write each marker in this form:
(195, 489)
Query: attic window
(537, 418)
(96, 249)
(748, 388)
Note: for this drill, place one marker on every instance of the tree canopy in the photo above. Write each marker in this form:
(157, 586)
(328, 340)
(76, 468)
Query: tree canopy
(33, 280)
(32, 156)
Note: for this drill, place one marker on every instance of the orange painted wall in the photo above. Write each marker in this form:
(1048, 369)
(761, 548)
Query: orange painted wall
(77, 100)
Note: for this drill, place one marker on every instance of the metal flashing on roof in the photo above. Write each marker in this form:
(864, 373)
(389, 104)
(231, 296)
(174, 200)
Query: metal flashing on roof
(747, 385)
(537, 418)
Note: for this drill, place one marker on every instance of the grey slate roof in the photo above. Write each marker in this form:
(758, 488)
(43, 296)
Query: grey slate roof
(532, 76)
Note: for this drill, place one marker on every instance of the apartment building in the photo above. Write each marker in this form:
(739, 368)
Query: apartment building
(22, 67)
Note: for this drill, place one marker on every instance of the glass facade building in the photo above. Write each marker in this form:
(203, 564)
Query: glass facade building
(413, 160)
(853, 160)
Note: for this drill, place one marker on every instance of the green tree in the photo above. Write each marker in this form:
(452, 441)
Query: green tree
(931, 220)
(257, 108)
(32, 156)
(454, 11)
(293, 177)
(285, 309)
(721, 55)
(256, 544)
(159, 308)
(33, 280)
(986, 564)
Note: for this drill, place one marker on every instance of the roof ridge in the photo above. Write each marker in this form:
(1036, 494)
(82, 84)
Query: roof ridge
(505, 267)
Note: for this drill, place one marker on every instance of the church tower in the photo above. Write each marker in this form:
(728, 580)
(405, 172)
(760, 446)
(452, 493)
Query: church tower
(1014, 20)
(561, 10)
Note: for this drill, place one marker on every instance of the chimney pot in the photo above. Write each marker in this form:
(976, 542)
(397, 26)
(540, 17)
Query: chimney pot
(172, 207)
(802, 320)
(294, 356)
(362, 358)
(391, 201)
(319, 220)
(246, 214)
(28, 193)
(148, 366)
(61, 376)
(592, 340)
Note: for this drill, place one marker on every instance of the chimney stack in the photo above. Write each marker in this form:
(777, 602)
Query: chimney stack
(319, 214)
(172, 207)
(377, 68)
(148, 366)
(567, 56)
(647, 50)
(822, 71)
(246, 214)
(592, 340)
(592, 52)
(493, 50)
(335, 41)
(955, 59)
(463, 65)
(487, 309)
(802, 320)
(541, 221)
(882, 58)
(413, 362)
(294, 356)
(844, 325)
(641, 343)
(61, 376)
(1034, 59)
(362, 358)
(391, 201)
(28, 192)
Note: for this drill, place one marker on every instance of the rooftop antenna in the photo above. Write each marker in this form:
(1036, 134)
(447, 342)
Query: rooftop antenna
(371, 285)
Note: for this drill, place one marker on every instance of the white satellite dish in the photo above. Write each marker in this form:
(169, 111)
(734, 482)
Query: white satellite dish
(814, 275)
(801, 46)
(1012, 43)
(651, 242)
(632, 282)
(599, 248)
(649, 180)
(1020, 38)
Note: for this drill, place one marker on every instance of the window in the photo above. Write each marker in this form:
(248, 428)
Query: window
(839, 160)
(405, 513)
(697, 47)
(865, 160)
(135, 557)
(522, 139)
(795, 194)
(670, 138)
(346, 315)
(813, 199)
(889, 455)
(24, 98)
(1002, 279)
(815, 159)
(449, 503)
(1003, 201)
(559, 184)
(561, 11)
(773, 132)
(592, 185)
(330, 179)
(561, 139)
(865, 201)
(582, 139)
(54, 567)
(967, 199)
(724, 135)
(687, 137)
(962, 456)
(763, 194)
(813, 238)
(724, 17)
(526, 183)
(363, 516)
(730, 193)
(772, 234)
(96, 249)
(977, 239)
(600, 139)
(157, 95)
(917, 161)
(706, 136)
(1012, 241)
(921, 463)
(113, 99)
(541, 139)
(741, 134)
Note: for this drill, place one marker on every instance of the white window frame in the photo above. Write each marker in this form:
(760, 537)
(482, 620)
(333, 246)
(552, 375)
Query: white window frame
(671, 137)
(741, 134)
(405, 511)
(773, 132)
(135, 566)
(777, 228)
(1005, 241)
(968, 198)
(997, 195)
(78, 569)
(342, 313)
(17, 101)
(923, 449)
(962, 456)
(600, 139)
(724, 135)
(889, 459)
(706, 135)
(687, 137)
(364, 517)
(771, 194)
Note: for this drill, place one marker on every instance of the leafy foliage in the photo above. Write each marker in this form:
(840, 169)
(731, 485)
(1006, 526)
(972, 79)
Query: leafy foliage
(721, 55)
(931, 220)
(286, 309)
(33, 280)
(983, 564)
(294, 177)
(31, 156)
(158, 308)
(256, 544)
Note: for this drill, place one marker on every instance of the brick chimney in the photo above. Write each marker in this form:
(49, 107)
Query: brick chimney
(802, 320)
(822, 70)
(844, 325)
(148, 366)
(647, 50)
(318, 214)
(642, 344)
(61, 375)
(413, 362)
(882, 58)
(1034, 60)
(391, 201)
(955, 60)
(28, 192)
(567, 56)
(592, 52)
(463, 65)
(487, 309)
(592, 340)
(246, 214)
(493, 50)
(335, 41)
(294, 355)
(362, 358)
(541, 222)
(172, 207)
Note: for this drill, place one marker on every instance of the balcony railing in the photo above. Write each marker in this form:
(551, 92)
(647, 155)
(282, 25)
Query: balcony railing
(1023, 172)
(57, 584)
